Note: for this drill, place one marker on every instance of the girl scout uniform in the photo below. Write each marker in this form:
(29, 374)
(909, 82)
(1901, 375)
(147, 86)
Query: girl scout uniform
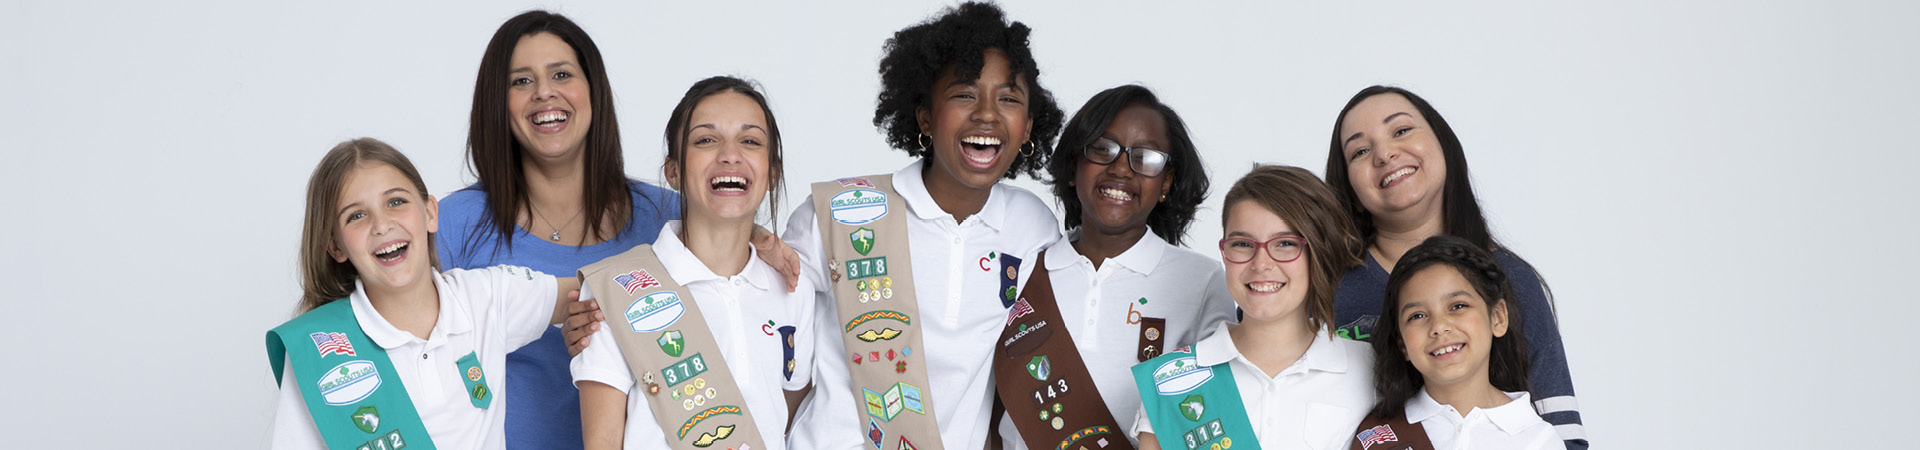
(1512, 426)
(1152, 297)
(351, 380)
(960, 292)
(763, 333)
(1214, 396)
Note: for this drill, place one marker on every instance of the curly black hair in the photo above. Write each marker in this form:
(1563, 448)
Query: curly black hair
(1169, 218)
(960, 36)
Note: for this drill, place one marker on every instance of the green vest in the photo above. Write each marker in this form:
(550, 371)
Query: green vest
(1192, 406)
(356, 400)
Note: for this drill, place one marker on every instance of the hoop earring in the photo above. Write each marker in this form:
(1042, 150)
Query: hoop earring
(925, 141)
(1028, 148)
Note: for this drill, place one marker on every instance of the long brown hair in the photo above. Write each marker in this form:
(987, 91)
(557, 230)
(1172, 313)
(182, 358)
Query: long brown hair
(1395, 379)
(323, 280)
(682, 118)
(495, 155)
(1310, 208)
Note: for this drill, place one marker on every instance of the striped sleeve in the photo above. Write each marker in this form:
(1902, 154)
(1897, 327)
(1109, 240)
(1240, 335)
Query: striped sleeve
(1552, 383)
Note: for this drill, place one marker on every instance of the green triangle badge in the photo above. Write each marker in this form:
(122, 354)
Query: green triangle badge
(862, 240)
(1193, 407)
(1039, 368)
(367, 419)
(671, 343)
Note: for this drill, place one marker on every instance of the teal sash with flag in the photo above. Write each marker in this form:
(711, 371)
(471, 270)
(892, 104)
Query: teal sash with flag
(1192, 406)
(348, 383)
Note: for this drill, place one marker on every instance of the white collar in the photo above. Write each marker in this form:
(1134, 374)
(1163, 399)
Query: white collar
(912, 187)
(453, 317)
(1142, 257)
(1322, 355)
(1511, 418)
(686, 269)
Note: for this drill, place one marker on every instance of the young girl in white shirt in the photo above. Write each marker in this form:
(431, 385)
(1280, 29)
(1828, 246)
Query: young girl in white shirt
(1279, 379)
(1451, 358)
(388, 352)
(724, 157)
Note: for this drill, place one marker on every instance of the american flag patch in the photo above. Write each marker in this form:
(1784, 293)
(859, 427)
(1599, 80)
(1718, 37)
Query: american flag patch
(856, 181)
(1376, 435)
(635, 280)
(332, 343)
(1020, 309)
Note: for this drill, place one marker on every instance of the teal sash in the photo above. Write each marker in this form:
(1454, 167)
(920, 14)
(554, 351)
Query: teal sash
(1192, 406)
(350, 387)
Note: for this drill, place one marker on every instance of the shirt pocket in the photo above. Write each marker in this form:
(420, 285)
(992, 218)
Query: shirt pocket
(1326, 425)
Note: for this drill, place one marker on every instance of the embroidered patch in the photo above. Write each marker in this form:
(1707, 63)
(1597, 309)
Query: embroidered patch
(349, 382)
(862, 240)
(874, 434)
(1180, 376)
(672, 343)
(635, 280)
(707, 439)
(1199, 436)
(685, 370)
(655, 311)
(1028, 338)
(1376, 435)
(1039, 368)
(877, 315)
(390, 441)
(367, 419)
(867, 267)
(878, 335)
(703, 416)
(1086, 433)
(1052, 391)
(906, 444)
(858, 206)
(856, 182)
(332, 344)
(1193, 407)
(1020, 309)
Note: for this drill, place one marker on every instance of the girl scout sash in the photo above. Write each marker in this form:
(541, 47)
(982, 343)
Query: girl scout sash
(865, 246)
(673, 356)
(1394, 434)
(1042, 380)
(356, 400)
(1193, 406)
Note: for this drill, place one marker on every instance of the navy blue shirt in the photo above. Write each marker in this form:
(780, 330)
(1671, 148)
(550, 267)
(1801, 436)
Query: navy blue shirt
(543, 406)
(1359, 301)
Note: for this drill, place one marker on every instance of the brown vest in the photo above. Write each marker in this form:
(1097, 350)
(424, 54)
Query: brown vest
(863, 229)
(672, 354)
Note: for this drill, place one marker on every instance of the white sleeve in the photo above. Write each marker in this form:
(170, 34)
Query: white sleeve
(601, 361)
(801, 307)
(1140, 423)
(803, 234)
(293, 427)
(526, 298)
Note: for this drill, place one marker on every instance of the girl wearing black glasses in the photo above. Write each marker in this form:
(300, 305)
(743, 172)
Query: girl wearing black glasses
(1278, 379)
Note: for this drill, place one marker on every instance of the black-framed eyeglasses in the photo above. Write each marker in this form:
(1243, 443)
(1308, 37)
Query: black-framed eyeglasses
(1144, 161)
(1281, 249)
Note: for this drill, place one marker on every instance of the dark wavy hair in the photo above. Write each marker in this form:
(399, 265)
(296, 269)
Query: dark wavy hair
(679, 122)
(1170, 217)
(1395, 379)
(959, 37)
(1305, 203)
(1460, 209)
(495, 155)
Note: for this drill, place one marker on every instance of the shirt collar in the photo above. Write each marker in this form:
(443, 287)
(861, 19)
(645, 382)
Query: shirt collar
(1142, 257)
(452, 320)
(1511, 418)
(911, 186)
(1322, 355)
(686, 269)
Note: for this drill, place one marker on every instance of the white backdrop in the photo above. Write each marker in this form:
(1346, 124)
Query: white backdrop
(1712, 189)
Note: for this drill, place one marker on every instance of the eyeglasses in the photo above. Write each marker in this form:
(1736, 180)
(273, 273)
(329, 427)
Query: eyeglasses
(1281, 249)
(1144, 161)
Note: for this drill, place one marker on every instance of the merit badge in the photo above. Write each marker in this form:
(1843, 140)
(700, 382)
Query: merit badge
(1039, 368)
(1008, 286)
(874, 434)
(367, 419)
(1088, 432)
(858, 206)
(655, 311)
(476, 381)
(1376, 435)
(672, 343)
(1206, 433)
(1193, 407)
(1020, 309)
(635, 280)
(1180, 376)
(906, 444)
(707, 439)
(685, 370)
(878, 335)
(349, 383)
(703, 416)
(473, 373)
(862, 240)
(332, 344)
(652, 387)
(1152, 335)
(1028, 338)
(877, 315)
(855, 182)
(786, 351)
(867, 267)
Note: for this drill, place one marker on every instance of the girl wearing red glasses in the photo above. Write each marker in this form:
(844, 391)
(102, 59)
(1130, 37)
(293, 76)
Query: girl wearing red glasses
(1278, 379)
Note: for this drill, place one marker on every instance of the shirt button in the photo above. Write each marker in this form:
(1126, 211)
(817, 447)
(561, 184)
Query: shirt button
(423, 356)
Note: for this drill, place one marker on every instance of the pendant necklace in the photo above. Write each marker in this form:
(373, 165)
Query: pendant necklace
(556, 230)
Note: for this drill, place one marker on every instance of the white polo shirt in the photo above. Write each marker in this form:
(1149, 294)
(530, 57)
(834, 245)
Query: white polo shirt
(1511, 426)
(1314, 404)
(489, 311)
(1105, 309)
(744, 312)
(960, 310)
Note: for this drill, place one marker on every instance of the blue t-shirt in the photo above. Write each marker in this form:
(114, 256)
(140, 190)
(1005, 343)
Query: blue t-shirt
(543, 406)
(1358, 303)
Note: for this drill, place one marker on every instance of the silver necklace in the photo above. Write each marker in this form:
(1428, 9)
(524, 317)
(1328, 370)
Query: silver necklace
(556, 230)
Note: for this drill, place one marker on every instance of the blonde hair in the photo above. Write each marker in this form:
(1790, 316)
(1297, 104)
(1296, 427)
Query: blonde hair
(323, 280)
(1310, 207)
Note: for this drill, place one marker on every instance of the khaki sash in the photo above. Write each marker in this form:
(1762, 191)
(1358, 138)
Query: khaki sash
(1394, 434)
(864, 232)
(1042, 380)
(672, 353)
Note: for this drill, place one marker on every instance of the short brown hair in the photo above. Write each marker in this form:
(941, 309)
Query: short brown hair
(1311, 209)
(323, 280)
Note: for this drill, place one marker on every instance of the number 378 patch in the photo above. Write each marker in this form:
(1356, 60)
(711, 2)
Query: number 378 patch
(867, 268)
